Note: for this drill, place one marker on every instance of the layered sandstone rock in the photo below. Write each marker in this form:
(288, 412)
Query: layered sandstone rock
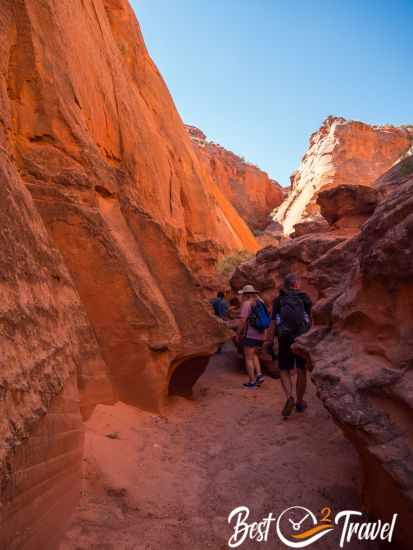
(48, 350)
(248, 188)
(341, 152)
(267, 270)
(316, 225)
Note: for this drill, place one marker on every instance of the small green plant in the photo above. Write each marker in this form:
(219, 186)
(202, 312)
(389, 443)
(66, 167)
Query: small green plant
(228, 265)
(406, 166)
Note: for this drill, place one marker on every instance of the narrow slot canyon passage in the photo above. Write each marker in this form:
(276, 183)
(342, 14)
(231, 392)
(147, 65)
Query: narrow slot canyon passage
(169, 482)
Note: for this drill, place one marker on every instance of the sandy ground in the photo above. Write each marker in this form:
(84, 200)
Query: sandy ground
(169, 482)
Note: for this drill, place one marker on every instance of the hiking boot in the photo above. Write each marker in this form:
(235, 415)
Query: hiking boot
(301, 407)
(260, 379)
(250, 385)
(288, 407)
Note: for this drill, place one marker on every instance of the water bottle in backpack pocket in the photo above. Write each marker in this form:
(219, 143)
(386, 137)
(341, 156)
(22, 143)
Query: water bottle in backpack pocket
(259, 318)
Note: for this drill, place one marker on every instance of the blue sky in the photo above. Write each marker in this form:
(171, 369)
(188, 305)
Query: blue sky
(259, 76)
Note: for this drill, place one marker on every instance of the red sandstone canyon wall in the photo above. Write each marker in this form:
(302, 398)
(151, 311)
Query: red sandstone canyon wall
(362, 347)
(48, 351)
(98, 142)
(101, 293)
(248, 188)
(341, 152)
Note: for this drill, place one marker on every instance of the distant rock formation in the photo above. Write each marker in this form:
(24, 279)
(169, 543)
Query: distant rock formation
(248, 188)
(109, 296)
(341, 152)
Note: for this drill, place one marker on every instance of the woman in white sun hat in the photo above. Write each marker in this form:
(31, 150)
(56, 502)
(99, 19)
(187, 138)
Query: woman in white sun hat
(251, 333)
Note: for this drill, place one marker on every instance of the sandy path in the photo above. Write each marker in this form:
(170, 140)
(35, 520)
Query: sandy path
(170, 482)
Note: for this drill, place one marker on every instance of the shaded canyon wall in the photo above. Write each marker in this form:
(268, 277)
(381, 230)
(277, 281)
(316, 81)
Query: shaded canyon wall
(360, 349)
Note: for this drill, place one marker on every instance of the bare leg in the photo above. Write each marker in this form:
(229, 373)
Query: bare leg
(301, 384)
(250, 363)
(286, 383)
(257, 363)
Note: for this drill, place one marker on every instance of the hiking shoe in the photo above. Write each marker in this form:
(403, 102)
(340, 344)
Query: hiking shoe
(288, 407)
(250, 385)
(301, 407)
(260, 379)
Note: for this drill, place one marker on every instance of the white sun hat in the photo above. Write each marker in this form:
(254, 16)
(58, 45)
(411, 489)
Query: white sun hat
(248, 289)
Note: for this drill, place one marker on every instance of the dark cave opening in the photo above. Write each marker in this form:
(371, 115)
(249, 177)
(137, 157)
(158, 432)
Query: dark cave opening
(186, 374)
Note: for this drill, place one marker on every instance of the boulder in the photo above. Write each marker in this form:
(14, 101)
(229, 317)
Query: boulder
(307, 227)
(347, 205)
(267, 270)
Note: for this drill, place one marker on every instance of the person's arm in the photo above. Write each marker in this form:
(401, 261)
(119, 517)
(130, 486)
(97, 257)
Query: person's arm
(269, 339)
(225, 309)
(308, 306)
(244, 313)
(271, 332)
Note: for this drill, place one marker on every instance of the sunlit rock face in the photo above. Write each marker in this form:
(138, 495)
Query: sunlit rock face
(108, 221)
(341, 152)
(249, 189)
(99, 144)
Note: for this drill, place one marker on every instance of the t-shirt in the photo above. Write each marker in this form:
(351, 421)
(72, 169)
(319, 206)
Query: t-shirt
(220, 307)
(244, 314)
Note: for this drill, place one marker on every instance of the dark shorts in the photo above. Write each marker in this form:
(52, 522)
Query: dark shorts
(287, 360)
(251, 343)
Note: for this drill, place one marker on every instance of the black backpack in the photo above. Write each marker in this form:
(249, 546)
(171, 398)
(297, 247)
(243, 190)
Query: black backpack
(292, 313)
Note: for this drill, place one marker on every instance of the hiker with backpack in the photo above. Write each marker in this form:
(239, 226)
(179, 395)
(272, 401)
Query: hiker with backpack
(255, 320)
(220, 305)
(291, 317)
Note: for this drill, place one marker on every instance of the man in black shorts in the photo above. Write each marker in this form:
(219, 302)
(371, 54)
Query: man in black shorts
(291, 315)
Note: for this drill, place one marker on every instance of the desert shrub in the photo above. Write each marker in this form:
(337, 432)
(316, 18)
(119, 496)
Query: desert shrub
(228, 265)
(406, 166)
